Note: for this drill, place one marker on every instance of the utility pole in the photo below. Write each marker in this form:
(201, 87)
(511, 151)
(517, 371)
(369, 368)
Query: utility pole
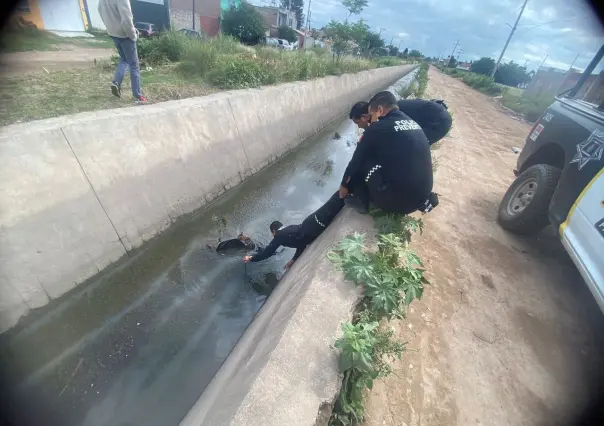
(391, 40)
(454, 48)
(508, 40)
(193, 14)
(308, 15)
(567, 73)
(544, 59)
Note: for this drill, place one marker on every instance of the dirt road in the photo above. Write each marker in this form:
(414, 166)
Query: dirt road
(506, 333)
(70, 57)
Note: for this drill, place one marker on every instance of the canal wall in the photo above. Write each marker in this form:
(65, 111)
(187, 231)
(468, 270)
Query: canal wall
(79, 192)
(284, 369)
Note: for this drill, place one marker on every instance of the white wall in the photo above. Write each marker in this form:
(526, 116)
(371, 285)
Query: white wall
(61, 15)
(95, 17)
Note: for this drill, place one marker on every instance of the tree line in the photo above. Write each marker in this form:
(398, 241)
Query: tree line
(245, 23)
(509, 74)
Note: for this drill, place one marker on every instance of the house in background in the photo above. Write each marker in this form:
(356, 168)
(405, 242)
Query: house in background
(550, 81)
(208, 14)
(77, 16)
(152, 11)
(275, 17)
(54, 15)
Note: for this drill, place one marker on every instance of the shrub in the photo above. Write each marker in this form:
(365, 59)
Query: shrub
(391, 278)
(168, 47)
(387, 61)
(532, 107)
(201, 56)
(287, 33)
(406, 92)
(244, 23)
(319, 51)
(240, 72)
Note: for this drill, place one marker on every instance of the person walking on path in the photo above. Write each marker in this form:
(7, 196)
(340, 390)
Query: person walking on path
(117, 17)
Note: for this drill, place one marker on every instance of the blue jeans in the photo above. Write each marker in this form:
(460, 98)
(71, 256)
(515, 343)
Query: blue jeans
(128, 59)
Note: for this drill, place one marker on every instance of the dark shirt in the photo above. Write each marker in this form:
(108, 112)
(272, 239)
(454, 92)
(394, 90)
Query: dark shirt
(288, 236)
(399, 145)
(432, 117)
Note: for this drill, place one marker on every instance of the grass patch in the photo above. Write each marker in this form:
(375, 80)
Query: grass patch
(392, 277)
(480, 82)
(531, 107)
(173, 67)
(417, 87)
(33, 39)
(42, 95)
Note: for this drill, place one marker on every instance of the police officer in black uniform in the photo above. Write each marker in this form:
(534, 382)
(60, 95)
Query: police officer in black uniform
(300, 236)
(432, 116)
(392, 166)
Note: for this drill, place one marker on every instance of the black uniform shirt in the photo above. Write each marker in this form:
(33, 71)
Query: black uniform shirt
(399, 146)
(432, 117)
(288, 236)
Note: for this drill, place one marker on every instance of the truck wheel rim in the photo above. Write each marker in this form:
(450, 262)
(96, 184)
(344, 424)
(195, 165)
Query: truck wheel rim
(522, 197)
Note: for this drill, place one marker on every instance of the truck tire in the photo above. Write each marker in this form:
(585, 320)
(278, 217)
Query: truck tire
(524, 207)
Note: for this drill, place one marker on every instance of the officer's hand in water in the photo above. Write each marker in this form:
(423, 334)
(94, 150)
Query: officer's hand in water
(288, 265)
(343, 192)
(247, 258)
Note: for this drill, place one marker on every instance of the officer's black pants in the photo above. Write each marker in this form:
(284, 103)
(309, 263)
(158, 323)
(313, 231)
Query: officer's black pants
(319, 220)
(382, 194)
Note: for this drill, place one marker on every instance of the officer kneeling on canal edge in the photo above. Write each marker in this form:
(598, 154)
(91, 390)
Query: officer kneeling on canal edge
(392, 167)
(300, 236)
(432, 116)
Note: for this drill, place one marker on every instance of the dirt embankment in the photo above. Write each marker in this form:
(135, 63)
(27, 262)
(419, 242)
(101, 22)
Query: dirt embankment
(507, 334)
(71, 57)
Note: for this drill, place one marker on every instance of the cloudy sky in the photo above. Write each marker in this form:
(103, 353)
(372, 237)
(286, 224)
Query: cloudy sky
(560, 29)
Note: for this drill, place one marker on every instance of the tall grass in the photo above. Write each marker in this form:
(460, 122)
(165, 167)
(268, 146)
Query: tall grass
(226, 64)
(532, 107)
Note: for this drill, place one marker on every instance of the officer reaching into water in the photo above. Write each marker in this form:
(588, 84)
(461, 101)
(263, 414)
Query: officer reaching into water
(392, 167)
(432, 116)
(300, 236)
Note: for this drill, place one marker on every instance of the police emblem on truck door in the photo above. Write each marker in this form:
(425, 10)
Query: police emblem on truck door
(590, 149)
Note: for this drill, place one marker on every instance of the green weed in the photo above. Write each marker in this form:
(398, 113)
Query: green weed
(392, 277)
(417, 87)
(532, 107)
(480, 82)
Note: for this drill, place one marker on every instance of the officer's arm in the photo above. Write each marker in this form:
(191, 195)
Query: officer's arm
(359, 156)
(298, 252)
(268, 251)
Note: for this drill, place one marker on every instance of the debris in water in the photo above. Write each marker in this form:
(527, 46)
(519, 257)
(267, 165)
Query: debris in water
(337, 136)
(516, 150)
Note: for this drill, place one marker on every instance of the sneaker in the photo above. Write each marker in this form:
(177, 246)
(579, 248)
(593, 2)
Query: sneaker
(357, 204)
(116, 90)
(141, 100)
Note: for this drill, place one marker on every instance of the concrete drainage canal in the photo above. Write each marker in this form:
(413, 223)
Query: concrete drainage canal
(139, 343)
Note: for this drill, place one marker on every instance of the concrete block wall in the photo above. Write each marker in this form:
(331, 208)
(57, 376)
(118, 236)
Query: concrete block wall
(79, 192)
